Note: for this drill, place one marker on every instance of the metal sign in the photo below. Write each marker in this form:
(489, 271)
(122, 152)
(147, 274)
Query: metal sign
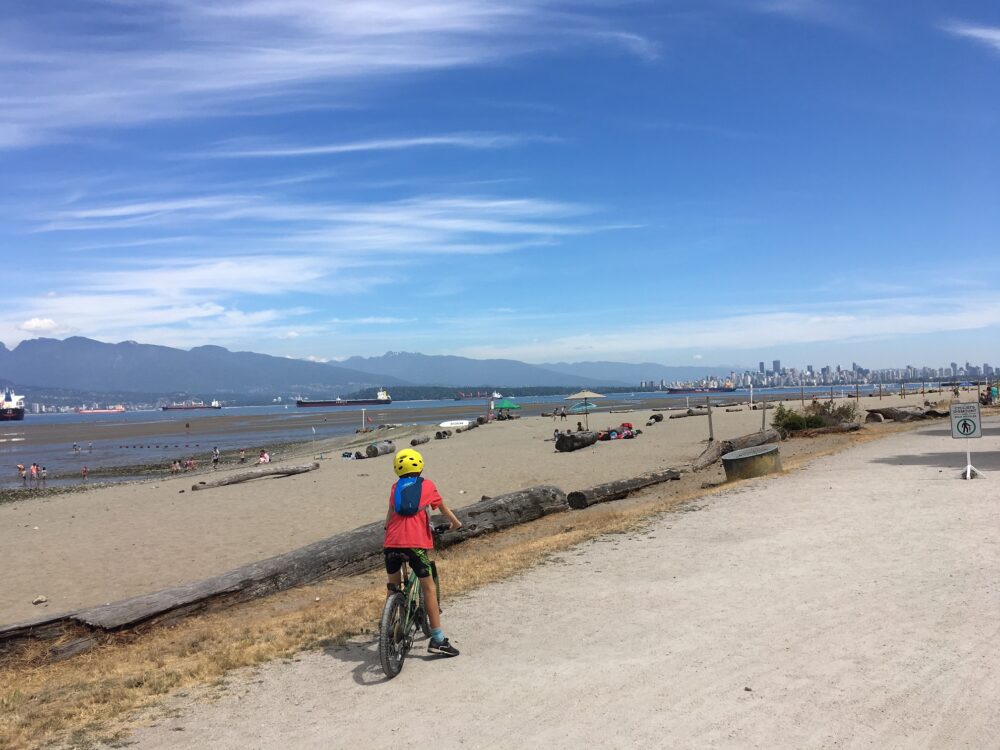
(966, 421)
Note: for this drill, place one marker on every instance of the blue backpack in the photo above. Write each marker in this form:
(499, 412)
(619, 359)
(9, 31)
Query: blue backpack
(406, 499)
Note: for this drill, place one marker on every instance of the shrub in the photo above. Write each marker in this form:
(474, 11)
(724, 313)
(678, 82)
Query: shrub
(829, 413)
(790, 420)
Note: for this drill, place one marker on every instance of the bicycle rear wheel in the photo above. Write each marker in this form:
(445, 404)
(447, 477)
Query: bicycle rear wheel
(392, 635)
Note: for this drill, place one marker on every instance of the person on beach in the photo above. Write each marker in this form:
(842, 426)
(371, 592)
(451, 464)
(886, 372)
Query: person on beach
(562, 414)
(408, 536)
(243, 456)
(43, 474)
(85, 472)
(20, 473)
(215, 457)
(264, 457)
(33, 473)
(579, 426)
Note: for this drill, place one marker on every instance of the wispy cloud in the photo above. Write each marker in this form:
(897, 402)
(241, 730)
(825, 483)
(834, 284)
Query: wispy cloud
(764, 330)
(105, 63)
(458, 140)
(988, 35)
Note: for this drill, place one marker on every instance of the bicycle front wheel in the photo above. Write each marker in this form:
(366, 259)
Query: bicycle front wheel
(392, 635)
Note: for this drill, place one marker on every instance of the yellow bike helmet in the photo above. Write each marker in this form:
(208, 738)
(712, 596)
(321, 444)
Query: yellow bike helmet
(408, 461)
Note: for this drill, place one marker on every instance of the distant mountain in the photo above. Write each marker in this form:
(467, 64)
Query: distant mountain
(460, 372)
(87, 365)
(622, 371)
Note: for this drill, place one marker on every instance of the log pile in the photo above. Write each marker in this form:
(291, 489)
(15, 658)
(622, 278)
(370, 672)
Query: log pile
(717, 448)
(603, 493)
(246, 476)
(574, 441)
(442, 434)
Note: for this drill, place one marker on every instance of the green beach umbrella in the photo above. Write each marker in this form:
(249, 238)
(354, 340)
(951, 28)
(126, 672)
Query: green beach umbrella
(506, 404)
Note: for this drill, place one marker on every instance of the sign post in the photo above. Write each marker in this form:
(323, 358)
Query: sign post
(966, 422)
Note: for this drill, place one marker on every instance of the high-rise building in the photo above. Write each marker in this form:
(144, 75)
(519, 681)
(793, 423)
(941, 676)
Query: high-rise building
(761, 368)
(776, 366)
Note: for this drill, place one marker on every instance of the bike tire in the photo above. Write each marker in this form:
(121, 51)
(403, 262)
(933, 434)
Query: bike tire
(392, 636)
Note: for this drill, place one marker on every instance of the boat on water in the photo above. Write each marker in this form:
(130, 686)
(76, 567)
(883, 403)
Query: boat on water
(462, 396)
(11, 407)
(118, 409)
(381, 398)
(192, 405)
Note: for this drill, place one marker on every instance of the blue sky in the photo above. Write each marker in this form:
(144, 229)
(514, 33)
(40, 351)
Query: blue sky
(721, 181)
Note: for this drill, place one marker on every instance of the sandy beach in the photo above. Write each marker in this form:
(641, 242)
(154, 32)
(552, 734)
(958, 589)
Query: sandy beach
(851, 603)
(109, 543)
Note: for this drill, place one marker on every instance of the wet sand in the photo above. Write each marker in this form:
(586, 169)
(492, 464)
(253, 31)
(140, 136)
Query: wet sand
(109, 543)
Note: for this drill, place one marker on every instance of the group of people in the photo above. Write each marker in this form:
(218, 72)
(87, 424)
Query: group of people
(560, 412)
(990, 397)
(34, 474)
(190, 464)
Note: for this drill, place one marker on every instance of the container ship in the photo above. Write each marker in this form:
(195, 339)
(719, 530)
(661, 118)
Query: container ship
(110, 410)
(11, 407)
(191, 405)
(381, 398)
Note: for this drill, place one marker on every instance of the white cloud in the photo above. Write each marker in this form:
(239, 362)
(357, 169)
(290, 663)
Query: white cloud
(44, 327)
(891, 318)
(988, 35)
(180, 59)
(458, 140)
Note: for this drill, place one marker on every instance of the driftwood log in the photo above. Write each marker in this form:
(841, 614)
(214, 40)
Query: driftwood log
(340, 555)
(873, 417)
(689, 413)
(832, 429)
(717, 447)
(574, 441)
(472, 426)
(738, 408)
(380, 449)
(420, 440)
(442, 434)
(603, 493)
(263, 471)
(655, 418)
(907, 415)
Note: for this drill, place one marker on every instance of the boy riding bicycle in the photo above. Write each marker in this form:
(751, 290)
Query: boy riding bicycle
(408, 534)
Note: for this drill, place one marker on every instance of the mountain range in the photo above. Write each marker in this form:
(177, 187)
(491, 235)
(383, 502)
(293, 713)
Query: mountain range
(82, 364)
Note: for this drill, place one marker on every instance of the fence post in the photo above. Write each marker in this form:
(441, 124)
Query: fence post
(711, 431)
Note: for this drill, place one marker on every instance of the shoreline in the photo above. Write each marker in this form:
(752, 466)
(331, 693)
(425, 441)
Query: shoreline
(95, 544)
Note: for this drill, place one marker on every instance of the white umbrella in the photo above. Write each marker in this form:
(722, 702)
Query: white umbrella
(584, 395)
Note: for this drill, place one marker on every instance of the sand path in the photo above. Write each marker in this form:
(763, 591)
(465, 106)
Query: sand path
(855, 603)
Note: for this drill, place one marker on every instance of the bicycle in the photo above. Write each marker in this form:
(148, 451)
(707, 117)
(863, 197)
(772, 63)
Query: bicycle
(403, 613)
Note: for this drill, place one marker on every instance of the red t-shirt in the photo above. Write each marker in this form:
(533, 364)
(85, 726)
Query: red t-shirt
(413, 531)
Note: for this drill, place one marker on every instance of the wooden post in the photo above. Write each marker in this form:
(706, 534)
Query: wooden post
(708, 405)
(831, 394)
(857, 393)
(802, 394)
(763, 416)
(880, 391)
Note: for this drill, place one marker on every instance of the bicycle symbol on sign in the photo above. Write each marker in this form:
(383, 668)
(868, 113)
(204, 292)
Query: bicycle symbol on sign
(966, 426)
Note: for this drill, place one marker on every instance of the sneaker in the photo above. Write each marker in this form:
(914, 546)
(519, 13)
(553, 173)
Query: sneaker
(444, 648)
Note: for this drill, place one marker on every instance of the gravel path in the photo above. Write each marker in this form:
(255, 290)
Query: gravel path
(854, 603)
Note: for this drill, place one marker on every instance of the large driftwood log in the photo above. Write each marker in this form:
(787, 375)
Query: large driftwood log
(246, 476)
(380, 449)
(420, 440)
(907, 414)
(603, 493)
(574, 441)
(340, 555)
(814, 431)
(689, 413)
(717, 448)
(655, 418)
(503, 511)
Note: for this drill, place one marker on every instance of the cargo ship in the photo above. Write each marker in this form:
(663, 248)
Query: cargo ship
(110, 410)
(11, 407)
(192, 405)
(381, 398)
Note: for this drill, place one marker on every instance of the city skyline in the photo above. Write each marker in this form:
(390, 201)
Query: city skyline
(672, 181)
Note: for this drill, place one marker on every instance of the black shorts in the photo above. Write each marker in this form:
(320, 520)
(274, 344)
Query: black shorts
(417, 559)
